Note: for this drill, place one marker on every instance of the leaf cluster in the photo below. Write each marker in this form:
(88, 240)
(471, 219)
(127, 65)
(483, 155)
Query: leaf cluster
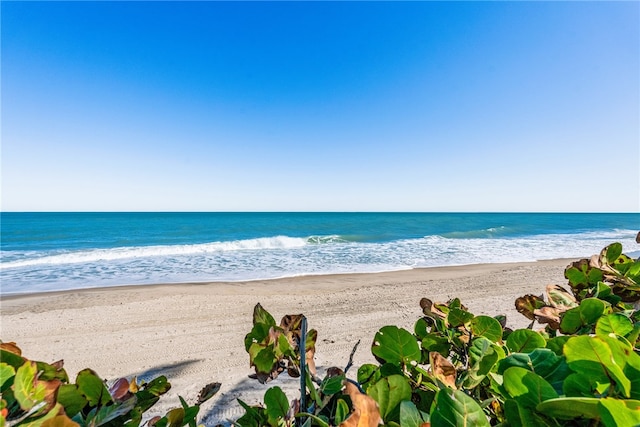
(273, 349)
(38, 394)
(458, 369)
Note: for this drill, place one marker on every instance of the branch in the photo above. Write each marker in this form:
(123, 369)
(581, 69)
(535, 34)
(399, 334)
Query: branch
(353, 352)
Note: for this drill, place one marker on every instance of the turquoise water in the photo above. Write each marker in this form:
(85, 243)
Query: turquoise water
(54, 251)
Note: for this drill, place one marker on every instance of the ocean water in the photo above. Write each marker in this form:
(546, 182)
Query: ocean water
(57, 251)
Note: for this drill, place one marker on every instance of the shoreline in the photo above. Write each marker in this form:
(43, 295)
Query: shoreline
(193, 332)
(301, 277)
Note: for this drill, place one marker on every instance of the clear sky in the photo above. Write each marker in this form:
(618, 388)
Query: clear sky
(325, 106)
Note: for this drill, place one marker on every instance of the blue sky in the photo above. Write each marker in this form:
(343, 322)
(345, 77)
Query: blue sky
(327, 106)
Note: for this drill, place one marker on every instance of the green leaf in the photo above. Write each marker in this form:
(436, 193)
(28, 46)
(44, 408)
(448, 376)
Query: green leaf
(616, 412)
(454, 408)
(542, 361)
(264, 358)
(634, 271)
(487, 327)
(421, 328)
(342, 412)
(175, 417)
(575, 276)
(614, 324)
(592, 357)
(11, 359)
(526, 387)
(458, 317)
(586, 314)
(284, 347)
(604, 292)
(395, 345)
(7, 374)
(389, 392)
(483, 355)
(277, 404)
(28, 391)
(368, 374)
(313, 392)
(253, 416)
(72, 400)
(331, 385)
(612, 252)
(436, 342)
(525, 341)
(260, 315)
(556, 344)
(632, 371)
(567, 408)
(577, 385)
(93, 388)
(258, 334)
(519, 415)
(108, 413)
(595, 275)
(409, 415)
(49, 372)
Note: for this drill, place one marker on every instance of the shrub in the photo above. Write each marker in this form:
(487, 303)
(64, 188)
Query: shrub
(458, 369)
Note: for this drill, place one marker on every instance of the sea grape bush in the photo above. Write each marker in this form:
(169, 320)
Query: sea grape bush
(38, 394)
(579, 367)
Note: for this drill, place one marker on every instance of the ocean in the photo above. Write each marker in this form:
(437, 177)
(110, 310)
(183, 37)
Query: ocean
(62, 251)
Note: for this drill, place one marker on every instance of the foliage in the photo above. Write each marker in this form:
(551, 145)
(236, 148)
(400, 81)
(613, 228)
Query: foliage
(269, 346)
(38, 394)
(458, 369)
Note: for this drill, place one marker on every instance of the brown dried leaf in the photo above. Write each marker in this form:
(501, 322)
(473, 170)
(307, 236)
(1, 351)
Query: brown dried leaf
(208, 392)
(334, 371)
(430, 309)
(426, 303)
(559, 298)
(51, 393)
(294, 408)
(11, 347)
(58, 365)
(443, 369)
(152, 422)
(273, 335)
(549, 315)
(464, 335)
(291, 322)
(310, 352)
(527, 304)
(365, 411)
(61, 420)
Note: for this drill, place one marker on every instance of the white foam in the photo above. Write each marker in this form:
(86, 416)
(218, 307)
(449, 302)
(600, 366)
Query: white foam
(95, 255)
(283, 256)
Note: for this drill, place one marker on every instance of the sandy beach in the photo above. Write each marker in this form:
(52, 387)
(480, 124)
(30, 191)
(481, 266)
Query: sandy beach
(193, 333)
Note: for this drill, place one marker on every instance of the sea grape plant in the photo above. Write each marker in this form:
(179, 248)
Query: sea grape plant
(272, 348)
(39, 394)
(458, 369)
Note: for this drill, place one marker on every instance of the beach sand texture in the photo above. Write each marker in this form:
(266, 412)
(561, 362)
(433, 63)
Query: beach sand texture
(193, 333)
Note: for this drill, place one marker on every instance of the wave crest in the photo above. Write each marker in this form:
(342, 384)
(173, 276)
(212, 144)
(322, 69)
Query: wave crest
(93, 255)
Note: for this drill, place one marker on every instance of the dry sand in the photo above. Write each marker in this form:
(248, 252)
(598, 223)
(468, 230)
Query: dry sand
(193, 333)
